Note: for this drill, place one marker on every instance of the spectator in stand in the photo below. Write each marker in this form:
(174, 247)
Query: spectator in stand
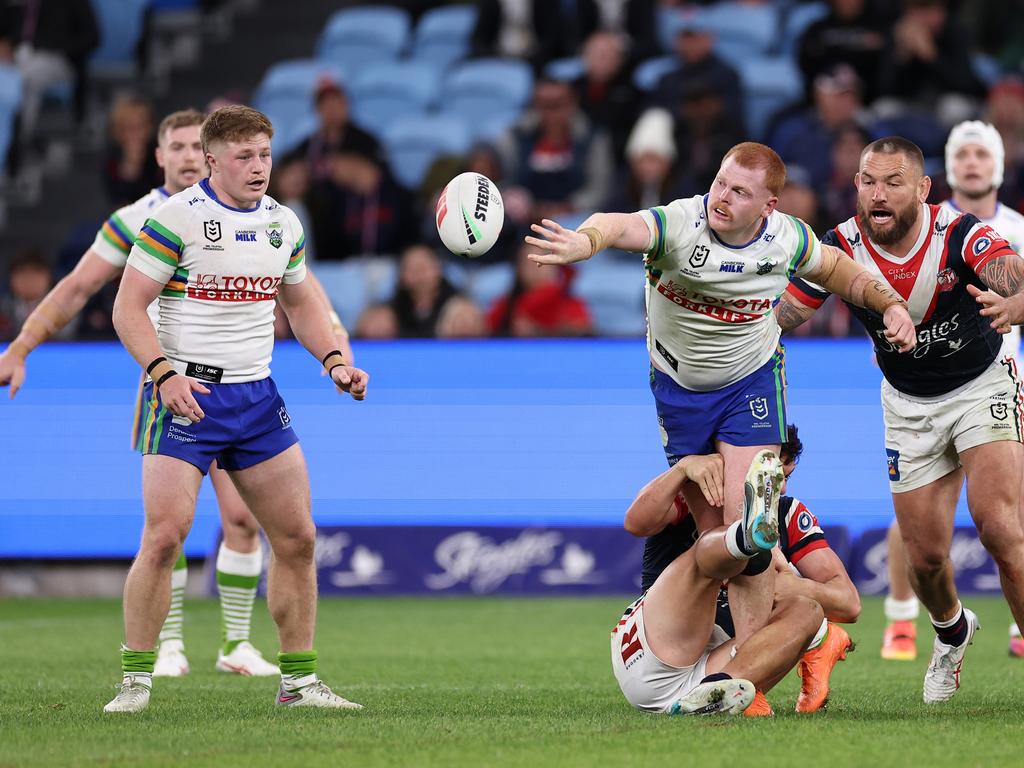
(336, 132)
(29, 279)
(290, 186)
(557, 156)
(799, 199)
(1005, 110)
(853, 33)
(700, 69)
(129, 164)
(421, 293)
(928, 65)
(378, 321)
(50, 42)
(652, 175)
(705, 130)
(358, 209)
(525, 29)
(461, 318)
(806, 137)
(991, 33)
(540, 303)
(840, 198)
(605, 91)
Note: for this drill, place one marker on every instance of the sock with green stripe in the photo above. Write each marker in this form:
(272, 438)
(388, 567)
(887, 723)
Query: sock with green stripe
(138, 664)
(238, 575)
(172, 628)
(298, 669)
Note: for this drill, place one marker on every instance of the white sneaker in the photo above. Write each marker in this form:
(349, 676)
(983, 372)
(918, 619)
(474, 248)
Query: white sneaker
(170, 660)
(245, 660)
(317, 694)
(943, 676)
(133, 696)
(729, 697)
(761, 491)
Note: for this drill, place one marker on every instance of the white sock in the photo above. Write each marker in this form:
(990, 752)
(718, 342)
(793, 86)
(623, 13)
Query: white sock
(732, 533)
(294, 682)
(238, 576)
(145, 678)
(1014, 630)
(172, 628)
(902, 610)
(951, 622)
(820, 637)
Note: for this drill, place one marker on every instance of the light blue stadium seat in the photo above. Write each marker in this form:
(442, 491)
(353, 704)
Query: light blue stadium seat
(741, 29)
(442, 34)
(291, 130)
(488, 89)
(489, 282)
(769, 84)
(120, 24)
(413, 143)
(614, 291)
(287, 88)
(668, 20)
(357, 37)
(649, 72)
(352, 285)
(798, 17)
(565, 69)
(388, 90)
(10, 101)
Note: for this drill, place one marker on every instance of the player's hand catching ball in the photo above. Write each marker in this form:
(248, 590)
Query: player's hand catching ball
(176, 395)
(899, 328)
(348, 378)
(557, 245)
(995, 306)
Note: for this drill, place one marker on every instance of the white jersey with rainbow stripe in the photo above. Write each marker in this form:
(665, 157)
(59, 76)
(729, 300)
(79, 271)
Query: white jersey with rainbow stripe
(1010, 224)
(709, 304)
(221, 268)
(114, 241)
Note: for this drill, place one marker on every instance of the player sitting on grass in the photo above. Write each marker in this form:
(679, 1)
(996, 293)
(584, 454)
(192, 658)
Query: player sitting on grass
(668, 655)
(803, 552)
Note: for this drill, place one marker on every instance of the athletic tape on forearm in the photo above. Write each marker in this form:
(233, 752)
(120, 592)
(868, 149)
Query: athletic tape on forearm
(596, 238)
(332, 360)
(337, 325)
(46, 320)
(160, 371)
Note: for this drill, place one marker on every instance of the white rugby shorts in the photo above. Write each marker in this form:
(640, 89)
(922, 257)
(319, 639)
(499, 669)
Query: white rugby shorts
(924, 437)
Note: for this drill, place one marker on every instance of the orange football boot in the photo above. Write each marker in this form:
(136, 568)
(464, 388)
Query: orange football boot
(759, 707)
(900, 641)
(816, 666)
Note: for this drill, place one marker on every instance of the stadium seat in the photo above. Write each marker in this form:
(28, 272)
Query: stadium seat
(741, 30)
(768, 85)
(489, 282)
(565, 69)
(442, 35)
(492, 89)
(287, 87)
(797, 18)
(413, 143)
(352, 285)
(357, 37)
(614, 292)
(387, 89)
(120, 23)
(10, 101)
(920, 127)
(649, 72)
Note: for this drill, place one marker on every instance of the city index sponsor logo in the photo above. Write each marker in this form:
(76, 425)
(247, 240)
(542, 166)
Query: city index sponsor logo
(727, 310)
(234, 288)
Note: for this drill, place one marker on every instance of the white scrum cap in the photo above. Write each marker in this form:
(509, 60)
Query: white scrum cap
(975, 132)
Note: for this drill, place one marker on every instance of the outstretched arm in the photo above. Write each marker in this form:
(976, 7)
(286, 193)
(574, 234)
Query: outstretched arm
(58, 307)
(557, 245)
(838, 274)
(654, 508)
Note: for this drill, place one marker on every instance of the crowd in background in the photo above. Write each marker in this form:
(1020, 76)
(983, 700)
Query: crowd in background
(599, 142)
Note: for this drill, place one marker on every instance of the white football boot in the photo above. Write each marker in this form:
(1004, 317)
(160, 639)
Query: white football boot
(762, 490)
(132, 696)
(316, 694)
(245, 660)
(943, 676)
(171, 660)
(728, 697)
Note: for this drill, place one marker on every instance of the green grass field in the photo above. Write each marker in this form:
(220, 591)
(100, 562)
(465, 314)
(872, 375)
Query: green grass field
(474, 682)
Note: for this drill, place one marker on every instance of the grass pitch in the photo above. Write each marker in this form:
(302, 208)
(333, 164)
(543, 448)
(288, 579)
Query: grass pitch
(475, 682)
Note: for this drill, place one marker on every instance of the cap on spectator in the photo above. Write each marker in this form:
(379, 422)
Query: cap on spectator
(838, 79)
(652, 134)
(326, 86)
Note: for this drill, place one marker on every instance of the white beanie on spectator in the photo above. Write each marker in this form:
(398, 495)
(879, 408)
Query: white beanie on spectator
(975, 132)
(652, 133)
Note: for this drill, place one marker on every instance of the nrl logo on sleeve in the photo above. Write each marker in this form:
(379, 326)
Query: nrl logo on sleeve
(212, 230)
(274, 234)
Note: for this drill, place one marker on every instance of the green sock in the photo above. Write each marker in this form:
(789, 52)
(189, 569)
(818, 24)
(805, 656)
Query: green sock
(238, 576)
(297, 664)
(137, 661)
(171, 629)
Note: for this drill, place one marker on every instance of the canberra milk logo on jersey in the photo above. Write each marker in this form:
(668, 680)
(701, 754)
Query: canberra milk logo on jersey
(469, 558)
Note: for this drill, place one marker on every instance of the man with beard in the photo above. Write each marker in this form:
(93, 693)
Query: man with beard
(715, 266)
(953, 408)
(974, 171)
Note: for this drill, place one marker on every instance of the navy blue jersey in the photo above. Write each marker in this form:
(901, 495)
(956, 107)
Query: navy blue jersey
(955, 344)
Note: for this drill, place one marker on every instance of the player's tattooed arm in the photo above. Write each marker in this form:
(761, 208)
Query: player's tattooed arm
(1004, 275)
(791, 312)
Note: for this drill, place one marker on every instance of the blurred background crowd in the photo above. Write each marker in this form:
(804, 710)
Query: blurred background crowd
(570, 106)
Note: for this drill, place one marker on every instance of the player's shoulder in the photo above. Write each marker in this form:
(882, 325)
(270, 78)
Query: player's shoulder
(685, 211)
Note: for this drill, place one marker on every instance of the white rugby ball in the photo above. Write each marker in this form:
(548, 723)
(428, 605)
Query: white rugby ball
(470, 215)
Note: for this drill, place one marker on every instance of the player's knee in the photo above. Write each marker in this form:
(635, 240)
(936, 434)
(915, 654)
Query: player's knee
(297, 544)
(927, 560)
(804, 612)
(1002, 538)
(163, 543)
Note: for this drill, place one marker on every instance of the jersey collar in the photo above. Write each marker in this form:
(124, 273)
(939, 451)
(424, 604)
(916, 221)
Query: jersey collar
(754, 239)
(205, 186)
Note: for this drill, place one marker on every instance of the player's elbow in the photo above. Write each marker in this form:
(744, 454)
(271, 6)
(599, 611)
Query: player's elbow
(639, 523)
(848, 610)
